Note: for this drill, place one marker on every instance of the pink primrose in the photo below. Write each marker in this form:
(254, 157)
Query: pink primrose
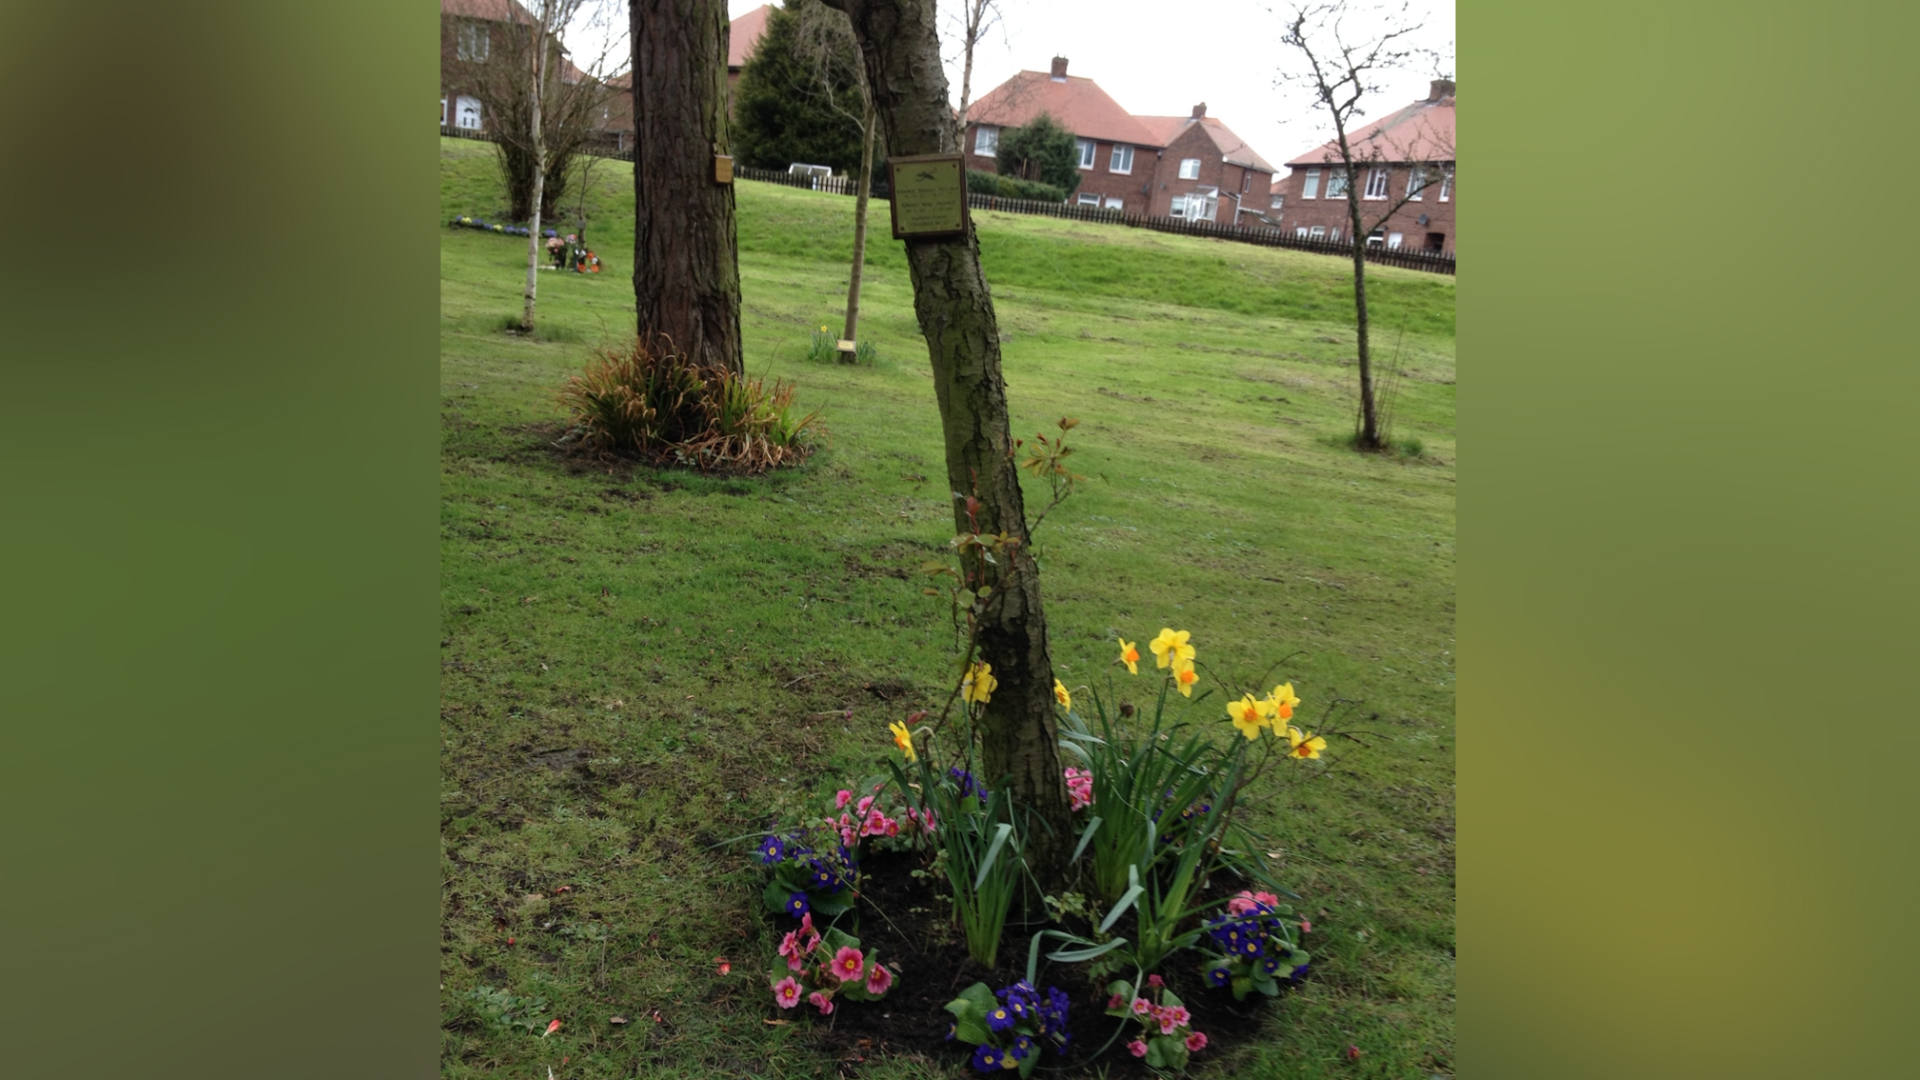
(848, 963)
(786, 993)
(879, 979)
(842, 798)
(893, 827)
(790, 945)
(861, 806)
(1137, 1048)
(1196, 1042)
(1156, 981)
(821, 1002)
(1240, 905)
(1267, 898)
(1141, 1006)
(1116, 1002)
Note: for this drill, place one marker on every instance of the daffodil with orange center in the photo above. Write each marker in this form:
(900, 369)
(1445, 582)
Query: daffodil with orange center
(1249, 716)
(978, 686)
(903, 739)
(1060, 695)
(1170, 649)
(1184, 678)
(1304, 746)
(1281, 702)
(1129, 656)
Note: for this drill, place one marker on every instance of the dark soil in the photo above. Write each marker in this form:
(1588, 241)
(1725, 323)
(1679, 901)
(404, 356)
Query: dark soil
(931, 956)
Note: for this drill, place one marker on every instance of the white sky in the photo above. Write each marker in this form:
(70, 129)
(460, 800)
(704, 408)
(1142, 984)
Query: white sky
(1156, 60)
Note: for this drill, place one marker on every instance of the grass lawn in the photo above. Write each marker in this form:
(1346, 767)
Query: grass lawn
(637, 665)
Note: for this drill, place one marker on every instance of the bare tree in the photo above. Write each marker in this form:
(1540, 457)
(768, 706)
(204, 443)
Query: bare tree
(1344, 49)
(900, 46)
(824, 42)
(686, 267)
(972, 22)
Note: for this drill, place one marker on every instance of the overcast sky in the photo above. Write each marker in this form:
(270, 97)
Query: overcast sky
(1156, 60)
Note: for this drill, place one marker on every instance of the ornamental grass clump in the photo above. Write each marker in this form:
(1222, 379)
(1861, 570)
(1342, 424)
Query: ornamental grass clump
(650, 401)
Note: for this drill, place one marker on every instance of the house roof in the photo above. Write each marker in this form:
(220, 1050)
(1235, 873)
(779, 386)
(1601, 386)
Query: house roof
(1232, 147)
(1078, 104)
(744, 33)
(1422, 131)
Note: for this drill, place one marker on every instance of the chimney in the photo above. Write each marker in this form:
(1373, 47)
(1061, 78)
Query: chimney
(1200, 111)
(1442, 88)
(1059, 69)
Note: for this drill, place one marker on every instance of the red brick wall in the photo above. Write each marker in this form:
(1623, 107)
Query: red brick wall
(1214, 172)
(1329, 214)
(1100, 180)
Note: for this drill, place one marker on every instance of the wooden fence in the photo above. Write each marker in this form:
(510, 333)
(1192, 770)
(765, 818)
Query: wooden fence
(1407, 258)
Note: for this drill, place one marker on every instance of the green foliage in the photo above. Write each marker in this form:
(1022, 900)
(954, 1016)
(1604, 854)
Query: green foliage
(649, 401)
(498, 1008)
(1043, 151)
(823, 347)
(981, 182)
(866, 352)
(784, 113)
(981, 848)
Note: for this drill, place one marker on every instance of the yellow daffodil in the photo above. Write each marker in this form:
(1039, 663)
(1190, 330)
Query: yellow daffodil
(1282, 701)
(1249, 716)
(1306, 745)
(903, 740)
(1184, 678)
(978, 686)
(1129, 656)
(1060, 695)
(1170, 649)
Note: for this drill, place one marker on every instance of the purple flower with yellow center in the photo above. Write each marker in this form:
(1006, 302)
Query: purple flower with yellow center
(797, 904)
(987, 1057)
(1000, 1019)
(1219, 976)
(772, 851)
(1022, 1046)
(1298, 972)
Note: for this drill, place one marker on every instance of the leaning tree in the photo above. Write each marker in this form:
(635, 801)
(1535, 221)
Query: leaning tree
(900, 47)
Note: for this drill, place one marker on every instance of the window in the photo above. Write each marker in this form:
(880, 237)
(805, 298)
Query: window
(1446, 186)
(1416, 183)
(986, 141)
(1179, 207)
(1319, 232)
(1190, 168)
(1333, 235)
(1278, 200)
(1312, 184)
(1112, 203)
(1086, 153)
(1122, 160)
(1376, 238)
(1087, 198)
(1436, 241)
(1300, 231)
(474, 41)
(1203, 204)
(466, 113)
(1336, 183)
(1393, 240)
(1246, 181)
(443, 112)
(1377, 183)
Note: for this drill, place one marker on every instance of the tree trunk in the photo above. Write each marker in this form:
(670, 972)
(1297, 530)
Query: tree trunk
(860, 224)
(1369, 421)
(539, 173)
(1018, 739)
(686, 271)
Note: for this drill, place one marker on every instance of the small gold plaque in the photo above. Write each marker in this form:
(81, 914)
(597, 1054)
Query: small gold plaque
(846, 346)
(929, 196)
(722, 169)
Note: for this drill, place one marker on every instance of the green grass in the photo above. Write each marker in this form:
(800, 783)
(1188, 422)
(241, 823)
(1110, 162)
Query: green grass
(636, 664)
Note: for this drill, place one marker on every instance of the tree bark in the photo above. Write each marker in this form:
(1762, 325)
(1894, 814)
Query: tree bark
(860, 224)
(901, 52)
(686, 271)
(539, 54)
(1368, 437)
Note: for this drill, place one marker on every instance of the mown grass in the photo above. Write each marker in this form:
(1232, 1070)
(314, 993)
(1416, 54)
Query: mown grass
(637, 663)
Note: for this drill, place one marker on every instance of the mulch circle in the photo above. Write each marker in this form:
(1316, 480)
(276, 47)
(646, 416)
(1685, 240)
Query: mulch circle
(931, 956)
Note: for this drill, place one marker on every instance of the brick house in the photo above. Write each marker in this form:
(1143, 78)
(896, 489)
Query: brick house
(1153, 165)
(743, 33)
(1404, 162)
(470, 32)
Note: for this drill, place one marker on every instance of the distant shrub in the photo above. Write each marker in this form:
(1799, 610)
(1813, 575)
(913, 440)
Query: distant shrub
(649, 401)
(1007, 187)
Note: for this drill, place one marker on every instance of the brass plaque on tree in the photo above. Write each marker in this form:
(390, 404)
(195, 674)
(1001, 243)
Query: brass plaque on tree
(929, 196)
(722, 169)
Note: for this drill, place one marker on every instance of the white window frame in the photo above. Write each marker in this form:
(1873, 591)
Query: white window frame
(1300, 231)
(1203, 205)
(1088, 149)
(1178, 208)
(443, 110)
(1318, 232)
(1310, 187)
(1416, 184)
(1394, 241)
(1446, 186)
(475, 42)
(986, 140)
(1377, 179)
(1190, 168)
(460, 113)
(1333, 234)
(1377, 238)
(1336, 183)
(1088, 198)
(1279, 201)
(1121, 161)
(1111, 203)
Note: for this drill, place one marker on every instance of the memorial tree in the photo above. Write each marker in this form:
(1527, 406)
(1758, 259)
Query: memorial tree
(686, 270)
(900, 47)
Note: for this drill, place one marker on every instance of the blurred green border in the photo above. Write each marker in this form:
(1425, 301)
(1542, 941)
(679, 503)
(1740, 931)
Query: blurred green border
(1686, 583)
(219, 421)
